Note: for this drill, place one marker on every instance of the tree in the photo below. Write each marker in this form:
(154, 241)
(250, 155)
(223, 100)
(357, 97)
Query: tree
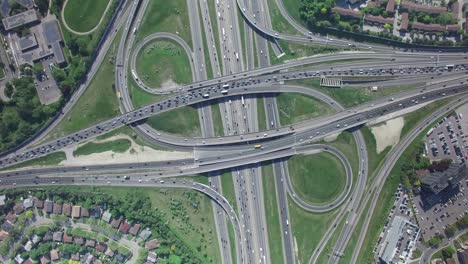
(43, 6)
(9, 90)
(38, 70)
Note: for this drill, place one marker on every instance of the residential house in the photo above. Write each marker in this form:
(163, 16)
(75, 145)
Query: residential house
(101, 247)
(44, 260)
(109, 252)
(152, 257)
(67, 238)
(39, 204)
(28, 261)
(134, 229)
(116, 222)
(75, 257)
(79, 240)
(152, 244)
(19, 259)
(404, 22)
(7, 226)
(11, 218)
(411, 6)
(3, 235)
(346, 12)
(124, 227)
(28, 203)
(48, 206)
(84, 212)
(54, 255)
(28, 245)
(76, 210)
(90, 243)
(18, 208)
(145, 234)
(57, 236)
(106, 216)
(66, 209)
(57, 208)
(390, 8)
(2, 200)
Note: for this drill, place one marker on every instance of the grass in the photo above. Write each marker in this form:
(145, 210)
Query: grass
(262, 123)
(439, 255)
(294, 108)
(2, 73)
(345, 143)
(374, 159)
(166, 16)
(206, 50)
(293, 7)
(84, 15)
(182, 121)
(351, 96)
(272, 215)
(227, 185)
(217, 120)
(118, 146)
(141, 98)
(214, 27)
(278, 22)
(98, 103)
(232, 239)
(127, 130)
(163, 62)
(307, 229)
(51, 159)
(317, 178)
(296, 50)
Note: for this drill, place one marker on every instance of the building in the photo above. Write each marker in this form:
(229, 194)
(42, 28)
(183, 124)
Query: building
(84, 212)
(152, 244)
(90, 243)
(28, 203)
(109, 252)
(411, 6)
(3, 235)
(28, 245)
(390, 244)
(106, 216)
(20, 19)
(152, 257)
(116, 222)
(101, 247)
(145, 234)
(53, 37)
(67, 238)
(404, 22)
(379, 20)
(38, 203)
(26, 3)
(54, 255)
(57, 236)
(390, 8)
(134, 229)
(48, 207)
(2, 200)
(124, 227)
(18, 208)
(11, 218)
(462, 255)
(66, 209)
(57, 208)
(28, 261)
(79, 240)
(44, 260)
(76, 210)
(439, 186)
(346, 12)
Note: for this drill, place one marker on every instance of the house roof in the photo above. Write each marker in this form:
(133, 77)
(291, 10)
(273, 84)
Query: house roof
(3, 235)
(20, 19)
(101, 247)
(66, 209)
(134, 229)
(38, 203)
(18, 208)
(90, 243)
(76, 211)
(428, 27)
(145, 234)
(109, 252)
(57, 236)
(78, 240)
(390, 6)
(106, 216)
(57, 208)
(124, 227)
(11, 218)
(346, 12)
(423, 8)
(67, 238)
(116, 223)
(54, 255)
(152, 244)
(48, 206)
(379, 19)
(84, 212)
(44, 260)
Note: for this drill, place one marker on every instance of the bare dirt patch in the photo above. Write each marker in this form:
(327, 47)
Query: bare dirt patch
(387, 133)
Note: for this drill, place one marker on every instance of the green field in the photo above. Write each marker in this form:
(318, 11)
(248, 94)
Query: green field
(307, 229)
(292, 7)
(166, 16)
(294, 108)
(262, 125)
(214, 27)
(140, 97)
(163, 63)
(345, 143)
(227, 185)
(296, 50)
(118, 146)
(272, 215)
(350, 96)
(84, 15)
(51, 159)
(98, 103)
(412, 119)
(217, 120)
(182, 121)
(317, 178)
(328, 250)
(278, 22)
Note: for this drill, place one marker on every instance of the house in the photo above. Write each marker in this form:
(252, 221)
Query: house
(47, 237)
(106, 216)
(11, 218)
(7, 226)
(38, 203)
(36, 239)
(145, 234)
(66, 209)
(18, 208)
(28, 261)
(346, 12)
(109, 252)
(3, 235)
(2, 200)
(101, 247)
(28, 203)
(79, 240)
(428, 27)
(19, 259)
(76, 210)
(152, 244)
(84, 212)
(152, 257)
(89, 258)
(455, 9)
(379, 20)
(57, 208)
(75, 256)
(404, 22)
(54, 255)
(44, 260)
(57, 236)
(48, 207)
(462, 255)
(116, 222)
(28, 245)
(390, 8)
(411, 6)
(124, 227)
(134, 229)
(20, 19)
(90, 243)
(96, 212)
(67, 238)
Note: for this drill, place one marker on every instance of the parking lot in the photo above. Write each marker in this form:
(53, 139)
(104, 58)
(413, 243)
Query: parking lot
(446, 140)
(435, 219)
(400, 232)
(46, 86)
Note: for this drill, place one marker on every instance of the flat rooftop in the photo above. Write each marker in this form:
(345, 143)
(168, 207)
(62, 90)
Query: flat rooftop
(20, 19)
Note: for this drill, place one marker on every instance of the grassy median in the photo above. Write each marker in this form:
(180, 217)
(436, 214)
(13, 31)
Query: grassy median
(119, 146)
(294, 108)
